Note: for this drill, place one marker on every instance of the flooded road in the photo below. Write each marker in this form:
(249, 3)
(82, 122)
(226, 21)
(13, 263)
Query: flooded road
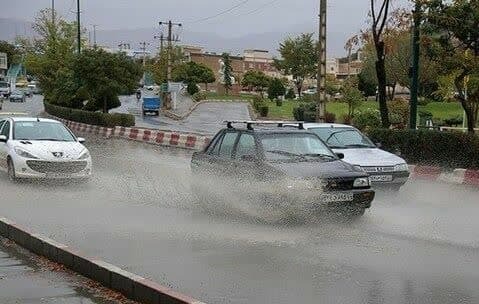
(420, 245)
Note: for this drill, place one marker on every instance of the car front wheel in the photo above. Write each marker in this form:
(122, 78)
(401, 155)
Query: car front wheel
(11, 171)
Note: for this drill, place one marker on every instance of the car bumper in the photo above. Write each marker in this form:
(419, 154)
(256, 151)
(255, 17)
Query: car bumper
(23, 170)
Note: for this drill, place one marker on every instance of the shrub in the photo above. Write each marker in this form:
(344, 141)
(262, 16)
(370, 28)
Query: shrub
(399, 112)
(279, 103)
(257, 102)
(329, 117)
(91, 118)
(276, 88)
(199, 96)
(290, 94)
(305, 112)
(192, 88)
(453, 121)
(445, 149)
(367, 119)
(263, 110)
(347, 119)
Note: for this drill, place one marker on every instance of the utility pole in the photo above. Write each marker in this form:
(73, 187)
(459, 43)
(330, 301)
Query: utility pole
(161, 38)
(94, 34)
(53, 12)
(169, 50)
(415, 66)
(78, 27)
(143, 48)
(321, 73)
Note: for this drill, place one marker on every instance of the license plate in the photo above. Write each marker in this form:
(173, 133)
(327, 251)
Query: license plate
(57, 175)
(336, 197)
(381, 178)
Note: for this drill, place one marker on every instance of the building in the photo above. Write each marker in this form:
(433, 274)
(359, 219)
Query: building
(341, 68)
(250, 60)
(3, 65)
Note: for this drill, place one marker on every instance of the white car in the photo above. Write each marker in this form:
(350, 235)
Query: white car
(41, 148)
(385, 169)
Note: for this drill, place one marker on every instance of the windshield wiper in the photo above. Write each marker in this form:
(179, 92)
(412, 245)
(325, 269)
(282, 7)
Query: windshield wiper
(286, 153)
(358, 146)
(319, 155)
(50, 139)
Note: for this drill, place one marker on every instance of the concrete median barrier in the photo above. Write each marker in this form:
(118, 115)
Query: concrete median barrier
(131, 285)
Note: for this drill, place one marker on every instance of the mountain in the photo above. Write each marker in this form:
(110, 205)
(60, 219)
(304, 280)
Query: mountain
(209, 41)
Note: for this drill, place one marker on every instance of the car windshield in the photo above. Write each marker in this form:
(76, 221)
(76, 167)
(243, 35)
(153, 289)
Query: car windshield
(343, 138)
(295, 146)
(41, 130)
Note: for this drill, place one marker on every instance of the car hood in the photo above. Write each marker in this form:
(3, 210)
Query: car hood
(332, 169)
(46, 149)
(369, 157)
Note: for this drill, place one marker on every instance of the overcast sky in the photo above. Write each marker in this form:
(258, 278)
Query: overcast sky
(345, 17)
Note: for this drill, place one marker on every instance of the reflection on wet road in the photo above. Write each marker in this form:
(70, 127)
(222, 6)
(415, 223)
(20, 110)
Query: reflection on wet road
(418, 246)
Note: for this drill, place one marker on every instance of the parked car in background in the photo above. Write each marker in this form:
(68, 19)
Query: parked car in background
(41, 148)
(18, 96)
(385, 169)
(4, 88)
(277, 171)
(34, 88)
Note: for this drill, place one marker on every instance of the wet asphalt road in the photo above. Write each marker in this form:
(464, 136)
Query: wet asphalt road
(418, 246)
(24, 281)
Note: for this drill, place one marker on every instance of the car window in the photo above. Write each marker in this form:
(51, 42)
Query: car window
(6, 129)
(227, 144)
(291, 146)
(343, 137)
(41, 130)
(1, 125)
(246, 146)
(215, 144)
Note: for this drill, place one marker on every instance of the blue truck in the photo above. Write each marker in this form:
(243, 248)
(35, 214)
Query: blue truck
(151, 105)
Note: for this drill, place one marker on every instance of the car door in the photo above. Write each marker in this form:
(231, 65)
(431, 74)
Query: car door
(4, 130)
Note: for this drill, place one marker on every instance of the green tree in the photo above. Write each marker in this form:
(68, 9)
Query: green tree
(193, 72)
(255, 80)
(298, 58)
(227, 72)
(276, 88)
(352, 95)
(453, 26)
(51, 56)
(159, 68)
(104, 76)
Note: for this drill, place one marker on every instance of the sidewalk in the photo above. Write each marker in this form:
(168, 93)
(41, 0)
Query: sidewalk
(26, 279)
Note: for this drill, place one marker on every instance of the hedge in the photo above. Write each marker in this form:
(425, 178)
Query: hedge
(91, 118)
(428, 147)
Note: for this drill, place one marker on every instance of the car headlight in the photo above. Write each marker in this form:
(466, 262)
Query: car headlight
(358, 168)
(401, 167)
(24, 153)
(84, 155)
(361, 182)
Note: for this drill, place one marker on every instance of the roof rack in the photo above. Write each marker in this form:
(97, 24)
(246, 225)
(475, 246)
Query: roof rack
(250, 123)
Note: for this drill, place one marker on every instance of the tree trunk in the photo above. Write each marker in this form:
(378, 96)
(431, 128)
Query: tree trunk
(299, 85)
(393, 92)
(381, 75)
(466, 104)
(206, 86)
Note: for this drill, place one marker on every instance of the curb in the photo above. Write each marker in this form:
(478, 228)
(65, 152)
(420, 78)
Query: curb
(175, 116)
(129, 284)
(454, 176)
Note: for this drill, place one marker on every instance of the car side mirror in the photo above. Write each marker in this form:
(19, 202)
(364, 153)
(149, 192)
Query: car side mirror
(3, 138)
(249, 158)
(340, 155)
(81, 140)
(379, 145)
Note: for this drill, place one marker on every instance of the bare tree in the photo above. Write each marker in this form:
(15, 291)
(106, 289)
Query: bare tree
(379, 20)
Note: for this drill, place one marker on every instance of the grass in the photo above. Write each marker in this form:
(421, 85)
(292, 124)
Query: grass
(439, 110)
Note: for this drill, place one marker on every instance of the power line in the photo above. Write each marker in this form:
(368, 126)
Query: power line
(258, 8)
(221, 12)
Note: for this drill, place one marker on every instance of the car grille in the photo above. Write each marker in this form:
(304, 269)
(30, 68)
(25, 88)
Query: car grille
(378, 169)
(56, 167)
(339, 184)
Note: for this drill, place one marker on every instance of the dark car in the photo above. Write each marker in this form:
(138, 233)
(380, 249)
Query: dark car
(280, 169)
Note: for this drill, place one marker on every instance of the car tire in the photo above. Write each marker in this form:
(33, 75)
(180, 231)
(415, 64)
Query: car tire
(11, 171)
